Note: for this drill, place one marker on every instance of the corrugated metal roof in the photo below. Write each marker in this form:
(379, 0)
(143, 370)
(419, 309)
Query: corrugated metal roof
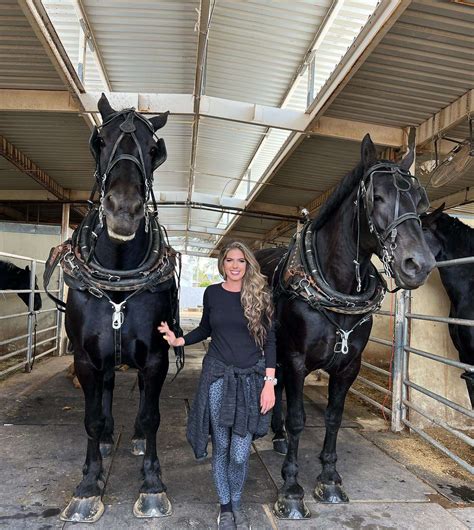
(23, 62)
(146, 46)
(419, 67)
(255, 47)
(57, 142)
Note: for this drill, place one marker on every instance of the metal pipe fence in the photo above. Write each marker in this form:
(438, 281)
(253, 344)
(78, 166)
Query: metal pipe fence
(23, 345)
(403, 408)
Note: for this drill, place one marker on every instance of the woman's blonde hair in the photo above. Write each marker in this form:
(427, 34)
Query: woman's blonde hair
(255, 296)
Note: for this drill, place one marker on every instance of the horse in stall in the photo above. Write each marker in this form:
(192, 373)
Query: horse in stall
(325, 291)
(123, 283)
(17, 279)
(449, 238)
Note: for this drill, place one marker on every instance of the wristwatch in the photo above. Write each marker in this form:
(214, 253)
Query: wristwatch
(274, 380)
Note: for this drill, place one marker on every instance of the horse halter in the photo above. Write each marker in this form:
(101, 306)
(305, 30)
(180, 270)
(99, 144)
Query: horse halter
(127, 127)
(403, 181)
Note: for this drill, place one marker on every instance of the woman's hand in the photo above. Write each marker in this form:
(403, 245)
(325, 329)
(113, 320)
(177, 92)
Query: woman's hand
(169, 336)
(267, 397)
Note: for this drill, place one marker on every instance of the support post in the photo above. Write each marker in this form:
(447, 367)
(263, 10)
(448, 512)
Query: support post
(61, 332)
(31, 318)
(399, 363)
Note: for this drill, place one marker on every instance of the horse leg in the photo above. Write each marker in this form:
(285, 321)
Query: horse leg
(469, 378)
(290, 503)
(107, 438)
(152, 501)
(280, 444)
(329, 483)
(138, 438)
(86, 505)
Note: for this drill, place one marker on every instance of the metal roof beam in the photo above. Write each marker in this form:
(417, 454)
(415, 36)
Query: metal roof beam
(446, 118)
(203, 31)
(37, 100)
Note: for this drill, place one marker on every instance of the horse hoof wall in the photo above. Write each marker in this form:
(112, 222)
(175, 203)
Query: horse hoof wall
(83, 510)
(138, 447)
(291, 509)
(330, 493)
(280, 446)
(106, 449)
(152, 505)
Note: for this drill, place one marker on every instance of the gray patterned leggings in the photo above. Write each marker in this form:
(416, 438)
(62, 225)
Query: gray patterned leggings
(230, 452)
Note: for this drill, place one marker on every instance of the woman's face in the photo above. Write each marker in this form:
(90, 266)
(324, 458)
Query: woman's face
(234, 265)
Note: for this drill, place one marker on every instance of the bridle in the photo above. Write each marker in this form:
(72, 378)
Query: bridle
(127, 127)
(403, 181)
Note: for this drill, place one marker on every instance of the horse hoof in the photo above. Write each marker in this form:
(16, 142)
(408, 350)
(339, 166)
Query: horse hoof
(280, 446)
(106, 449)
(83, 510)
(291, 508)
(138, 446)
(330, 493)
(152, 505)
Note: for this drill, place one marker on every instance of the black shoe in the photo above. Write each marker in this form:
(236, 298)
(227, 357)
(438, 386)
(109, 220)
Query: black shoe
(241, 521)
(225, 521)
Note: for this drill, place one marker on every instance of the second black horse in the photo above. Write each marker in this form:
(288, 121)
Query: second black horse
(325, 292)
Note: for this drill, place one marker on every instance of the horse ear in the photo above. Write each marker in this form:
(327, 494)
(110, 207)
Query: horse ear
(428, 220)
(159, 121)
(104, 107)
(27, 269)
(368, 153)
(408, 159)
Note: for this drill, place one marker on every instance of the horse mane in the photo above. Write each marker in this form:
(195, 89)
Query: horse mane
(458, 235)
(343, 190)
(6, 266)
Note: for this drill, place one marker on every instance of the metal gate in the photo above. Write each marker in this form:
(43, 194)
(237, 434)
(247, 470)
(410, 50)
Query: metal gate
(37, 332)
(398, 383)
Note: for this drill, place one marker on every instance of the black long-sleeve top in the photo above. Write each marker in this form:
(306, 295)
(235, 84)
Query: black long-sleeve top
(224, 321)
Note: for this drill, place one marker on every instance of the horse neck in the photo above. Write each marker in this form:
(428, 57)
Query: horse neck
(123, 256)
(456, 279)
(337, 248)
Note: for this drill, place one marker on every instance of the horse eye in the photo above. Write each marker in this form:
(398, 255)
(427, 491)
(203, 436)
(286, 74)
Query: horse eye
(153, 151)
(378, 198)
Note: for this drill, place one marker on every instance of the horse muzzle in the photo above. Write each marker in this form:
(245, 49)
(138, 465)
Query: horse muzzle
(413, 270)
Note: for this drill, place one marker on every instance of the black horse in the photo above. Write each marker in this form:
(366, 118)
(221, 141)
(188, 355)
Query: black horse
(449, 238)
(17, 279)
(122, 284)
(325, 291)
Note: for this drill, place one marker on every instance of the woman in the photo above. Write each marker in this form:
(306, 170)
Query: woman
(236, 388)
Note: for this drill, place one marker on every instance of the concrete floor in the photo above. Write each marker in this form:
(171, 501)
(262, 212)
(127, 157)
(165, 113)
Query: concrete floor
(43, 448)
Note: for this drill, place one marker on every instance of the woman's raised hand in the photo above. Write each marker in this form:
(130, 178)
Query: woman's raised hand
(169, 336)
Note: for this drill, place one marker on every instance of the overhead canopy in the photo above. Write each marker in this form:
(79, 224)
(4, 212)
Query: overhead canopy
(268, 100)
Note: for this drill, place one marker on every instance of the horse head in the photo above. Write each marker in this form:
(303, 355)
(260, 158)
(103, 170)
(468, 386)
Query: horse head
(23, 282)
(127, 153)
(393, 200)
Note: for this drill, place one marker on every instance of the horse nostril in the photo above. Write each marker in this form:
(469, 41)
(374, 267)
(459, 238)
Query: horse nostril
(411, 267)
(137, 206)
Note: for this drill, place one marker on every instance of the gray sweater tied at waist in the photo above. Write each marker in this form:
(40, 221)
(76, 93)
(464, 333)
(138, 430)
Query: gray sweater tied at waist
(240, 408)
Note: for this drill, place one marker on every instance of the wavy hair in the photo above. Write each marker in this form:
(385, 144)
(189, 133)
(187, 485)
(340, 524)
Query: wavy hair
(255, 296)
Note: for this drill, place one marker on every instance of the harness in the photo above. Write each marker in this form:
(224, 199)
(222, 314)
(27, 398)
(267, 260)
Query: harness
(299, 273)
(157, 271)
